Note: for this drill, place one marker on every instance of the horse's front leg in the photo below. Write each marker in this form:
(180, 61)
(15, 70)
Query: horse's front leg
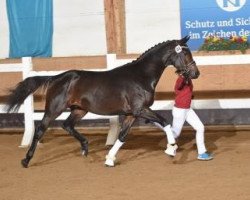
(159, 121)
(126, 125)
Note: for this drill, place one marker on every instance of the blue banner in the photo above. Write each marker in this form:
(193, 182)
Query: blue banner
(31, 27)
(222, 18)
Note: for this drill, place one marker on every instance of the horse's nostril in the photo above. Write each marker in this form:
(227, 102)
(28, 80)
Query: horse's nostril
(197, 73)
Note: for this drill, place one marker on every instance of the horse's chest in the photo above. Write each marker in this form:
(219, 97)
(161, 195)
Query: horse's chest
(149, 97)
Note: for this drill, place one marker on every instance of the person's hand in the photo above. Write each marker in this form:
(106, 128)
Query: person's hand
(182, 84)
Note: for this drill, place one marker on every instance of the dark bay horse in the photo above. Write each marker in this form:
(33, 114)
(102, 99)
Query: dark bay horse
(127, 90)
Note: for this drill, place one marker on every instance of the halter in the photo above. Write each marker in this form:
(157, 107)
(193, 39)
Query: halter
(186, 70)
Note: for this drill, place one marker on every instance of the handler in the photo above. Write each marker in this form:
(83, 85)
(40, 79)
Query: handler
(183, 112)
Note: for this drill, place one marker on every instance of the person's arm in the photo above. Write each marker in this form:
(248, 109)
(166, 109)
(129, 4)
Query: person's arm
(181, 84)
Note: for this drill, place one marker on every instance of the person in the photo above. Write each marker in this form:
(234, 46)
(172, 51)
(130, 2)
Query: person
(182, 112)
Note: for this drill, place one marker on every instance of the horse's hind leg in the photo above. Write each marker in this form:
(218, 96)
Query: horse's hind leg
(75, 116)
(39, 132)
(54, 107)
(126, 125)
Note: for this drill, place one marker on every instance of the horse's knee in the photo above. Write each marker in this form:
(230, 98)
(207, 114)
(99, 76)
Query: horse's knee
(66, 126)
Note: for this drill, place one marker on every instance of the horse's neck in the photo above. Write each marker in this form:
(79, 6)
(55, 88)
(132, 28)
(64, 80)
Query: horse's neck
(152, 65)
(151, 71)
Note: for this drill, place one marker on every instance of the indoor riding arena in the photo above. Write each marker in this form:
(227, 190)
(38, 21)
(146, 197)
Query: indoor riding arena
(61, 127)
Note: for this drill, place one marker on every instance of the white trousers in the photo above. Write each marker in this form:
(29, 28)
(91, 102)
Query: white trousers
(181, 115)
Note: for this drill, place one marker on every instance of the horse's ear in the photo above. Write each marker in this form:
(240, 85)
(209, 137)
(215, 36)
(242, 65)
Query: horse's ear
(185, 39)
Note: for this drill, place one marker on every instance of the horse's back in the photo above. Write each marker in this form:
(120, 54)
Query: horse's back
(103, 92)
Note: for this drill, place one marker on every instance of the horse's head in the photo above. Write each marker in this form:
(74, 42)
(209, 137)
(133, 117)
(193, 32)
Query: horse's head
(181, 58)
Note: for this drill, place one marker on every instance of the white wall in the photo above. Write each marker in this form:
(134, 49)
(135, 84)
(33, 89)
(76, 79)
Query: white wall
(79, 26)
(150, 22)
(4, 31)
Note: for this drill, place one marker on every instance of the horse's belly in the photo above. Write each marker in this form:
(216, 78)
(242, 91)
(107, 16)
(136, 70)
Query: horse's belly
(110, 105)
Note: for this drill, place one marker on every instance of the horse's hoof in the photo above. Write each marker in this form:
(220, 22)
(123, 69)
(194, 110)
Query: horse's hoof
(109, 163)
(24, 163)
(85, 153)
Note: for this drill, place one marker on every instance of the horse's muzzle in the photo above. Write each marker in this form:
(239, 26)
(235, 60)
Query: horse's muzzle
(194, 75)
(192, 70)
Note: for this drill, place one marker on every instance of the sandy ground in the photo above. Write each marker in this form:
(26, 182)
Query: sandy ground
(143, 171)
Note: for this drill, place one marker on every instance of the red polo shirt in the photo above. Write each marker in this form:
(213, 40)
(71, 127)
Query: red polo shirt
(183, 92)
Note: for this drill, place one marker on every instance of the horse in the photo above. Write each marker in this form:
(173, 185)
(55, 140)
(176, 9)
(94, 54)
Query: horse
(127, 91)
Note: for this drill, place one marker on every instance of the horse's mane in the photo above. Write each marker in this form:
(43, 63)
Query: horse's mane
(149, 51)
(156, 47)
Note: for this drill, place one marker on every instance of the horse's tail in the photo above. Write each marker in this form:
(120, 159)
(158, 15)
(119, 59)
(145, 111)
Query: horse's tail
(24, 89)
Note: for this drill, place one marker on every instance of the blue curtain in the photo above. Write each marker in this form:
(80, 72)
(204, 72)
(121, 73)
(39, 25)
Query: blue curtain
(31, 27)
